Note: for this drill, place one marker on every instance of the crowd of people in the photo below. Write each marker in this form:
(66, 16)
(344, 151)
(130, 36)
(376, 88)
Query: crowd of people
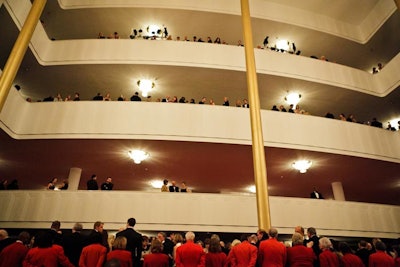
(129, 248)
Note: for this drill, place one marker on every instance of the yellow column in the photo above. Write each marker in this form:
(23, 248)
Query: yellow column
(397, 4)
(260, 171)
(17, 54)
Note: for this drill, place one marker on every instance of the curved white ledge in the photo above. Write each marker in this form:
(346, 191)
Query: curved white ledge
(360, 33)
(23, 120)
(197, 212)
(206, 56)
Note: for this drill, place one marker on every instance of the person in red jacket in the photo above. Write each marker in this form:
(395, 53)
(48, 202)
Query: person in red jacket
(190, 254)
(156, 258)
(215, 257)
(298, 254)
(380, 258)
(327, 258)
(119, 252)
(94, 254)
(272, 252)
(349, 259)
(14, 254)
(243, 254)
(46, 254)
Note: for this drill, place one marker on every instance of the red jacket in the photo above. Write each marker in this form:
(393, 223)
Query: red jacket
(328, 259)
(46, 257)
(215, 259)
(272, 253)
(93, 256)
(124, 257)
(380, 259)
(156, 260)
(243, 255)
(300, 255)
(351, 260)
(13, 255)
(190, 255)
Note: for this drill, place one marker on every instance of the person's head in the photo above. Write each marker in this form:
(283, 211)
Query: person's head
(113, 263)
(3, 234)
(109, 180)
(344, 248)
(24, 237)
(156, 246)
(94, 177)
(173, 183)
(235, 242)
(215, 245)
(299, 229)
(189, 236)
(244, 237)
(253, 239)
(380, 246)
(311, 231)
(53, 181)
(78, 227)
(120, 243)
(297, 239)
(178, 238)
(261, 234)
(98, 226)
(43, 239)
(325, 243)
(131, 222)
(165, 182)
(161, 236)
(273, 233)
(56, 225)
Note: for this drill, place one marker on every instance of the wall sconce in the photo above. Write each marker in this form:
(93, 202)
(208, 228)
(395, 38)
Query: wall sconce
(145, 86)
(302, 165)
(138, 155)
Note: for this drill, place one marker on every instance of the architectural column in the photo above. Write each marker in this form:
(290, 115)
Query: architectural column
(338, 192)
(398, 5)
(17, 53)
(74, 178)
(259, 166)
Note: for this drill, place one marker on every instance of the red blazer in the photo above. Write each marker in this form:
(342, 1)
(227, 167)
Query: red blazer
(215, 259)
(300, 255)
(328, 259)
(46, 257)
(351, 260)
(13, 255)
(190, 255)
(93, 256)
(272, 253)
(156, 260)
(380, 259)
(243, 255)
(124, 257)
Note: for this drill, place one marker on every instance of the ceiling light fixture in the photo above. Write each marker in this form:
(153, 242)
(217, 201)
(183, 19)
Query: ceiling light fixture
(282, 45)
(302, 165)
(145, 86)
(293, 98)
(138, 155)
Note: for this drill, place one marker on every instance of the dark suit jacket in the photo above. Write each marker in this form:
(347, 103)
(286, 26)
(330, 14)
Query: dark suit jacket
(73, 245)
(134, 244)
(314, 195)
(173, 188)
(168, 248)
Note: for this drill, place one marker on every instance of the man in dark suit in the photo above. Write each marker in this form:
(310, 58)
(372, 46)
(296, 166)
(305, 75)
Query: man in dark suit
(173, 187)
(168, 247)
(134, 244)
(315, 194)
(313, 242)
(73, 244)
(92, 183)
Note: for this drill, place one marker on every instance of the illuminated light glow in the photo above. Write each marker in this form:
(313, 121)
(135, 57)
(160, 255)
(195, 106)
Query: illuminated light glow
(156, 184)
(302, 165)
(395, 123)
(282, 44)
(138, 155)
(252, 189)
(293, 98)
(145, 86)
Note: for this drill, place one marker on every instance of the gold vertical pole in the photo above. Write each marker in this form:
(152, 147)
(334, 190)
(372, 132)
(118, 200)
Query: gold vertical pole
(260, 171)
(17, 53)
(397, 2)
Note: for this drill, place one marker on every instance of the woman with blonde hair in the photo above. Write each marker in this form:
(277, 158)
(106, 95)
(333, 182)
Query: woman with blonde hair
(120, 253)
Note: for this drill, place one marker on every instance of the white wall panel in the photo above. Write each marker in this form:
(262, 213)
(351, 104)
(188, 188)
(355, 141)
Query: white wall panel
(199, 212)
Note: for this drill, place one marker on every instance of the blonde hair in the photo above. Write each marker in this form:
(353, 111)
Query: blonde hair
(120, 242)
